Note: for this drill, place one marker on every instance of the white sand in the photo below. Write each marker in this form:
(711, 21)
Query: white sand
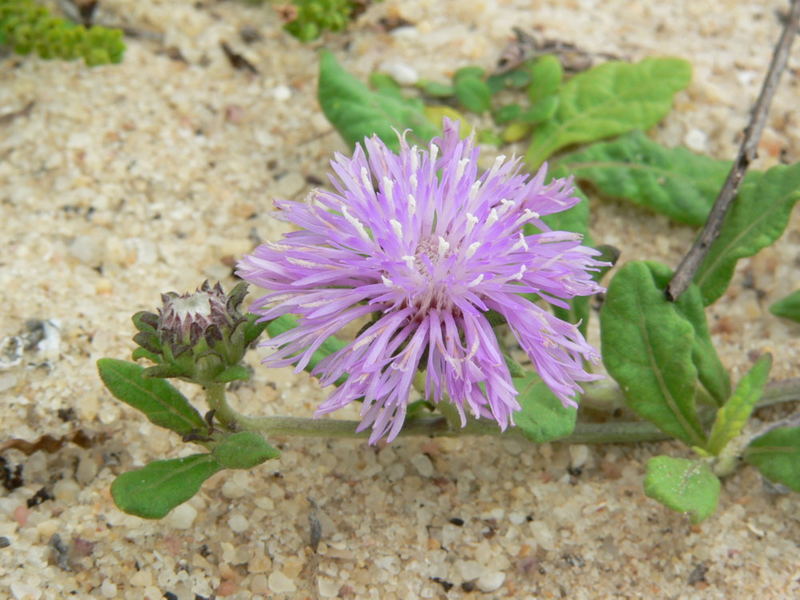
(127, 181)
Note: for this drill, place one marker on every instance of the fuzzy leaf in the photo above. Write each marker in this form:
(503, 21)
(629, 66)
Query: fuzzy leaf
(507, 113)
(546, 75)
(788, 307)
(435, 89)
(757, 218)
(777, 455)
(473, 93)
(541, 111)
(543, 417)
(244, 450)
(672, 181)
(357, 112)
(518, 78)
(682, 485)
(731, 418)
(647, 348)
(710, 370)
(151, 492)
(610, 99)
(164, 405)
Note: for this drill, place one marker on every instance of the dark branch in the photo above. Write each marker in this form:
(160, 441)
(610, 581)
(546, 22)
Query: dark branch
(747, 152)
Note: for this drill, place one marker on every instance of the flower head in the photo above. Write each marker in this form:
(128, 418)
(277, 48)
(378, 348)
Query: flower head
(426, 247)
(198, 336)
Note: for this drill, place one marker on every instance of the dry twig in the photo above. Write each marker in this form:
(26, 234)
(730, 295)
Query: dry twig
(747, 152)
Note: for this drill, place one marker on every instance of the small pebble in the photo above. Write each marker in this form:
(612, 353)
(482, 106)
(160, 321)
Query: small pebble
(696, 140)
(579, 454)
(258, 585)
(87, 250)
(281, 93)
(66, 490)
(289, 185)
(328, 588)
(280, 583)
(423, 465)
(25, 591)
(4, 542)
(182, 516)
(238, 523)
(108, 589)
(489, 582)
(401, 72)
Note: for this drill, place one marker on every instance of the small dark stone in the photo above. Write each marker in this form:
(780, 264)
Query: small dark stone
(250, 34)
(60, 553)
(4, 542)
(457, 521)
(66, 414)
(528, 518)
(698, 574)
(468, 586)
(573, 560)
(170, 596)
(11, 478)
(443, 582)
(41, 496)
(574, 471)
(204, 551)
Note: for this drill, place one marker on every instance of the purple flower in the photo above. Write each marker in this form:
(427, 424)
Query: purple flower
(425, 246)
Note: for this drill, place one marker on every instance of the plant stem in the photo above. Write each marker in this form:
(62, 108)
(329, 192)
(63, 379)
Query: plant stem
(599, 396)
(747, 152)
(215, 396)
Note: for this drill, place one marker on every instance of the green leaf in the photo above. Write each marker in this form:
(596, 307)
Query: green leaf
(546, 76)
(473, 94)
(757, 218)
(244, 450)
(541, 111)
(647, 348)
(357, 112)
(610, 99)
(470, 71)
(682, 485)
(777, 455)
(672, 181)
(164, 405)
(435, 89)
(515, 132)
(507, 113)
(732, 417)
(515, 79)
(153, 491)
(710, 371)
(329, 346)
(788, 307)
(254, 329)
(543, 417)
(385, 84)
(489, 137)
(437, 113)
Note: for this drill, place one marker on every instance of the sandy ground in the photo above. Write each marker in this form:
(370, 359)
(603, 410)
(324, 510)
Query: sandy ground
(122, 182)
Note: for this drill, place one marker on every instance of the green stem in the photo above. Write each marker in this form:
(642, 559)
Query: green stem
(585, 433)
(603, 396)
(215, 396)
